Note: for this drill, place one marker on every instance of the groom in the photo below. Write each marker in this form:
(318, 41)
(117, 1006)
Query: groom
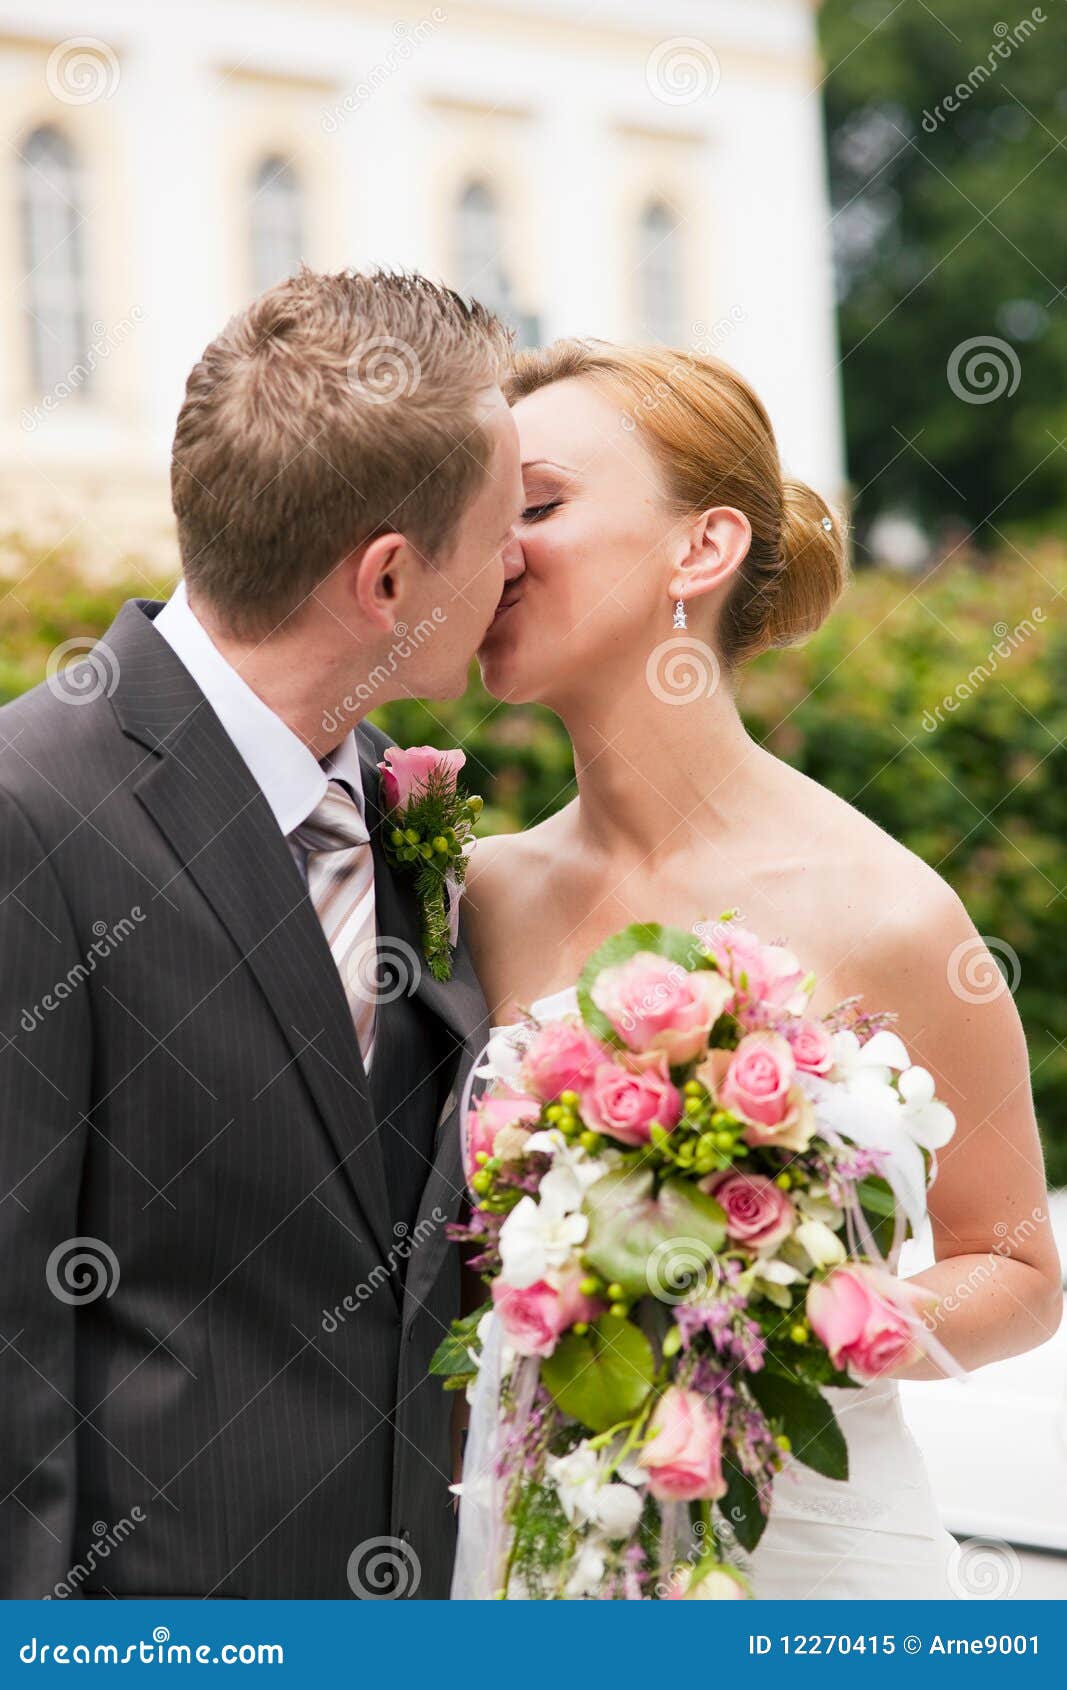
(229, 1145)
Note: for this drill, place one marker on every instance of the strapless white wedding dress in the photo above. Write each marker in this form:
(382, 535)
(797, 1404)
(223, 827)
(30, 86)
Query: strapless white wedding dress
(875, 1536)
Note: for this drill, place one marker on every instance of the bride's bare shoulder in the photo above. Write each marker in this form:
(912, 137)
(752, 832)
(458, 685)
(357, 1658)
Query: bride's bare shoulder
(881, 890)
(502, 861)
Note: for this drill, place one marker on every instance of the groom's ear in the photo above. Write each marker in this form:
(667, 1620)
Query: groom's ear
(373, 580)
(710, 551)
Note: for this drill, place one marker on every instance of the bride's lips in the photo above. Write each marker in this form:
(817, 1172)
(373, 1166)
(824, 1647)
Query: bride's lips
(509, 598)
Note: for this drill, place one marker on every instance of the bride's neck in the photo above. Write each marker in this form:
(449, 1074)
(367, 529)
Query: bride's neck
(650, 771)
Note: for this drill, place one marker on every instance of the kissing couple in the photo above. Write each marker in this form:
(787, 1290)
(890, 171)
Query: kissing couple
(231, 1146)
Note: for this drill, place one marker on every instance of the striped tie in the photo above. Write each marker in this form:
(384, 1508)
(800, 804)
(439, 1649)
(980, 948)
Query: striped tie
(340, 875)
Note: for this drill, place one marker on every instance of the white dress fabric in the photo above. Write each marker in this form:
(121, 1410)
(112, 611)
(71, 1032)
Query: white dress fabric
(875, 1536)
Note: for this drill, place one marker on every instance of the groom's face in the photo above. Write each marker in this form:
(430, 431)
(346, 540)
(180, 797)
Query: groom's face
(463, 587)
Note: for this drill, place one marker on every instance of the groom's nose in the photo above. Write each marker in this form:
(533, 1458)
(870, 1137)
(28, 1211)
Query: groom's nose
(514, 561)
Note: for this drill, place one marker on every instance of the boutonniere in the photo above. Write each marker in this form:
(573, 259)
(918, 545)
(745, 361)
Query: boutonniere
(430, 832)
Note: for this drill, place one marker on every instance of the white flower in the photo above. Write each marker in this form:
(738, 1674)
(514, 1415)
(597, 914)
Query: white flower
(503, 1060)
(539, 1238)
(930, 1122)
(588, 1573)
(823, 1246)
(588, 1497)
(858, 1064)
(771, 1275)
(567, 1153)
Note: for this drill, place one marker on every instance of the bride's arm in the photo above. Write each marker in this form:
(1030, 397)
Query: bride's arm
(996, 1270)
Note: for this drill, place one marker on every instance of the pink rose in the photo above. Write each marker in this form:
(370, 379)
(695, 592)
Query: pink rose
(684, 1458)
(813, 1050)
(490, 1115)
(405, 772)
(656, 1004)
(624, 1098)
(758, 1212)
(758, 1079)
(535, 1316)
(561, 1057)
(772, 975)
(866, 1319)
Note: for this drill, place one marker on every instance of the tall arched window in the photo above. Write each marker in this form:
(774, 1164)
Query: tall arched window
(660, 290)
(479, 264)
(277, 222)
(51, 216)
(480, 268)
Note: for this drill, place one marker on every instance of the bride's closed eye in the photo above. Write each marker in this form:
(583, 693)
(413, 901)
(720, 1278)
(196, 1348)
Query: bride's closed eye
(537, 513)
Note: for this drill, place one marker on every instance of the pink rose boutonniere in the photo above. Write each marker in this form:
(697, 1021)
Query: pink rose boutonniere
(430, 831)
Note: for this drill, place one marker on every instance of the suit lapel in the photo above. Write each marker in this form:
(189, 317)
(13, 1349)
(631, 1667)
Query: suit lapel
(203, 798)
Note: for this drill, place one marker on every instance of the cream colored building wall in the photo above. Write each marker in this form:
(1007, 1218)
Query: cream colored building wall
(574, 112)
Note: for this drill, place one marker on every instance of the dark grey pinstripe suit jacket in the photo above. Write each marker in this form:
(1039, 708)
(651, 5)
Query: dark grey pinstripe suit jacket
(191, 1097)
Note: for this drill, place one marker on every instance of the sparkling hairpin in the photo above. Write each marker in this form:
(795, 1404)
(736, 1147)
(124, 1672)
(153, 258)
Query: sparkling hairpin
(827, 523)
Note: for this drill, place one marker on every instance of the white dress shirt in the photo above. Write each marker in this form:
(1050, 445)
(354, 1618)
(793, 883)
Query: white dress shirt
(290, 776)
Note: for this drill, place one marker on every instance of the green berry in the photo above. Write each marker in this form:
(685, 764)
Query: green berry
(784, 1180)
(784, 1442)
(589, 1140)
(441, 845)
(620, 1309)
(798, 1332)
(411, 836)
(569, 1099)
(481, 1182)
(615, 1292)
(554, 1113)
(397, 837)
(591, 1286)
(693, 1088)
(481, 1157)
(580, 1328)
(725, 1141)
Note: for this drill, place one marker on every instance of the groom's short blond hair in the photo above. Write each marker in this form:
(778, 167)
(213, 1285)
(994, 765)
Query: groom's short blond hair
(334, 408)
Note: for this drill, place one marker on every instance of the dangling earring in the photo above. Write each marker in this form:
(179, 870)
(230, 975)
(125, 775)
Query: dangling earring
(679, 614)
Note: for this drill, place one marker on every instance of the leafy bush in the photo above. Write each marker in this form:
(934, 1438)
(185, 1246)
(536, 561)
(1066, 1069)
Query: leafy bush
(979, 790)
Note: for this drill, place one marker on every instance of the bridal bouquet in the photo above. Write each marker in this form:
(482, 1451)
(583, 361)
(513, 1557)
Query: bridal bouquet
(688, 1196)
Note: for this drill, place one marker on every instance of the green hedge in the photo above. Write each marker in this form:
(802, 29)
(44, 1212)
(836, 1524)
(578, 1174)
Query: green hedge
(979, 791)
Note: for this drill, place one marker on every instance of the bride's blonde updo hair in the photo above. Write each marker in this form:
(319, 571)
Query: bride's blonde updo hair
(715, 445)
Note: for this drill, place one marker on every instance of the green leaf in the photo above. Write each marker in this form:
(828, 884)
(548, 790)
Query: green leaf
(452, 1353)
(807, 1420)
(879, 1207)
(740, 1505)
(671, 942)
(602, 1377)
(648, 1242)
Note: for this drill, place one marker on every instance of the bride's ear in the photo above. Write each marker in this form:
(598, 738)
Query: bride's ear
(711, 549)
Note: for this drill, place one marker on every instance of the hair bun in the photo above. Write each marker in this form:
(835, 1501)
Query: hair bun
(813, 565)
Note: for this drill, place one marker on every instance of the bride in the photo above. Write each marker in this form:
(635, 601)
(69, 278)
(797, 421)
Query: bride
(664, 549)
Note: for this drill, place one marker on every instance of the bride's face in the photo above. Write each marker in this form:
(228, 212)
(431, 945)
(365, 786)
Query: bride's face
(595, 536)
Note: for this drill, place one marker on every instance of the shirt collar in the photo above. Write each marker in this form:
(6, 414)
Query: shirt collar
(287, 773)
